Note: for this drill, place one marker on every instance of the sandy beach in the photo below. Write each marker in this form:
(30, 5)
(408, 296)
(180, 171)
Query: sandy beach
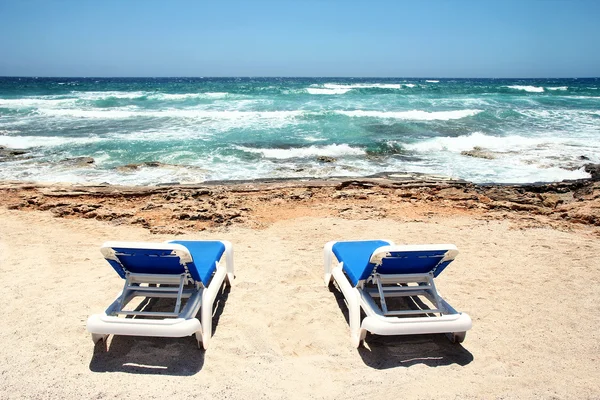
(528, 275)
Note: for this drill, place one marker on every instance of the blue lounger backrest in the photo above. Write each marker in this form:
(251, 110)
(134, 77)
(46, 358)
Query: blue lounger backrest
(356, 257)
(205, 255)
(414, 262)
(146, 261)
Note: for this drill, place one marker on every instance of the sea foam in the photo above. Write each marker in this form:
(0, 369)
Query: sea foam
(124, 113)
(531, 89)
(488, 142)
(331, 91)
(333, 150)
(415, 115)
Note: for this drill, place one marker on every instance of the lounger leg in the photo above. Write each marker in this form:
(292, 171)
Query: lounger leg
(352, 296)
(206, 324)
(229, 261)
(208, 299)
(456, 337)
(327, 259)
(357, 333)
(199, 339)
(96, 337)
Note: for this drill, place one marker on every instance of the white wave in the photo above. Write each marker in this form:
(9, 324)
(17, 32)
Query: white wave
(125, 113)
(432, 81)
(174, 96)
(35, 102)
(336, 88)
(531, 89)
(99, 95)
(24, 142)
(558, 88)
(313, 139)
(216, 94)
(187, 96)
(416, 115)
(364, 86)
(410, 85)
(108, 94)
(327, 91)
(478, 139)
(333, 150)
(509, 144)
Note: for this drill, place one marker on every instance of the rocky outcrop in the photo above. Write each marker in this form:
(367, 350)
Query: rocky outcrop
(7, 154)
(181, 208)
(593, 170)
(478, 152)
(78, 161)
(326, 159)
(133, 167)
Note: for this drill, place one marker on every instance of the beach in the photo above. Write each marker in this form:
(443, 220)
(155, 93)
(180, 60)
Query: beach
(140, 142)
(527, 274)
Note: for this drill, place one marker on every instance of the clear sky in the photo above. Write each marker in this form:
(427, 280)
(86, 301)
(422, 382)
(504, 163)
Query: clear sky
(376, 38)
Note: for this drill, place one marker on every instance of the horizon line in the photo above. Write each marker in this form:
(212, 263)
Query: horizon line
(282, 76)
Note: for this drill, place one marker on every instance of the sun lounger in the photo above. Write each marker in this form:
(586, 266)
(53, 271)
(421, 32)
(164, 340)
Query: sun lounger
(191, 272)
(376, 275)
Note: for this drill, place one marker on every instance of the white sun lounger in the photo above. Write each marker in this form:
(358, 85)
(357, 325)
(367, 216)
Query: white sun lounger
(179, 270)
(378, 269)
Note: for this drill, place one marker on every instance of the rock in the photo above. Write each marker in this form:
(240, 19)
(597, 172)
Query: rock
(593, 170)
(78, 161)
(133, 167)
(7, 154)
(326, 159)
(201, 192)
(456, 194)
(550, 200)
(478, 152)
(508, 194)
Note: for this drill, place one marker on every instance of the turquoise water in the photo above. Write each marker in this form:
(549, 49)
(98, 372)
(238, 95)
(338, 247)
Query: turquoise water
(245, 128)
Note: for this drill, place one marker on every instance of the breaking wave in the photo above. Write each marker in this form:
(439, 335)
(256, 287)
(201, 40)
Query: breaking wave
(531, 89)
(333, 150)
(415, 115)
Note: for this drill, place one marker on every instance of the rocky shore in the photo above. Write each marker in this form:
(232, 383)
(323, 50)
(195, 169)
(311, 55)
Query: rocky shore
(181, 208)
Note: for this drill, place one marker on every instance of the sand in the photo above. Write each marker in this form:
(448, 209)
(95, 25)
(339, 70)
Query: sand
(279, 333)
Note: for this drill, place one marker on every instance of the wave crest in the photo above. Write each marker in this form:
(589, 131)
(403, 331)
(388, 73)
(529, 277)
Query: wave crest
(531, 89)
(415, 115)
(332, 150)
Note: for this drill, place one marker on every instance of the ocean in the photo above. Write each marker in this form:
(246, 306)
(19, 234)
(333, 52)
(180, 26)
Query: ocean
(148, 131)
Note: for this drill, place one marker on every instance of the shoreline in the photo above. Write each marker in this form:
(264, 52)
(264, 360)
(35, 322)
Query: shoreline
(177, 208)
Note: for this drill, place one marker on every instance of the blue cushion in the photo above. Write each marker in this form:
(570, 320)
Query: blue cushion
(205, 255)
(355, 256)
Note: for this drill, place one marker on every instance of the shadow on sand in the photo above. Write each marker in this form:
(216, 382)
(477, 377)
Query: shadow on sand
(154, 355)
(383, 352)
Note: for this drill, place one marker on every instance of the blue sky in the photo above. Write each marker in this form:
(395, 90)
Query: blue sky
(396, 38)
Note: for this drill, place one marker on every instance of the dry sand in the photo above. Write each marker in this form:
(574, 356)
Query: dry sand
(280, 334)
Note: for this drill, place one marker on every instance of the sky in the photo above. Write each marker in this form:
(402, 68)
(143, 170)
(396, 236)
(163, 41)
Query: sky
(304, 38)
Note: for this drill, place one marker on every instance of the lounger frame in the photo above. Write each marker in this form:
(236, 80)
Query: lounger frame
(181, 321)
(382, 321)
